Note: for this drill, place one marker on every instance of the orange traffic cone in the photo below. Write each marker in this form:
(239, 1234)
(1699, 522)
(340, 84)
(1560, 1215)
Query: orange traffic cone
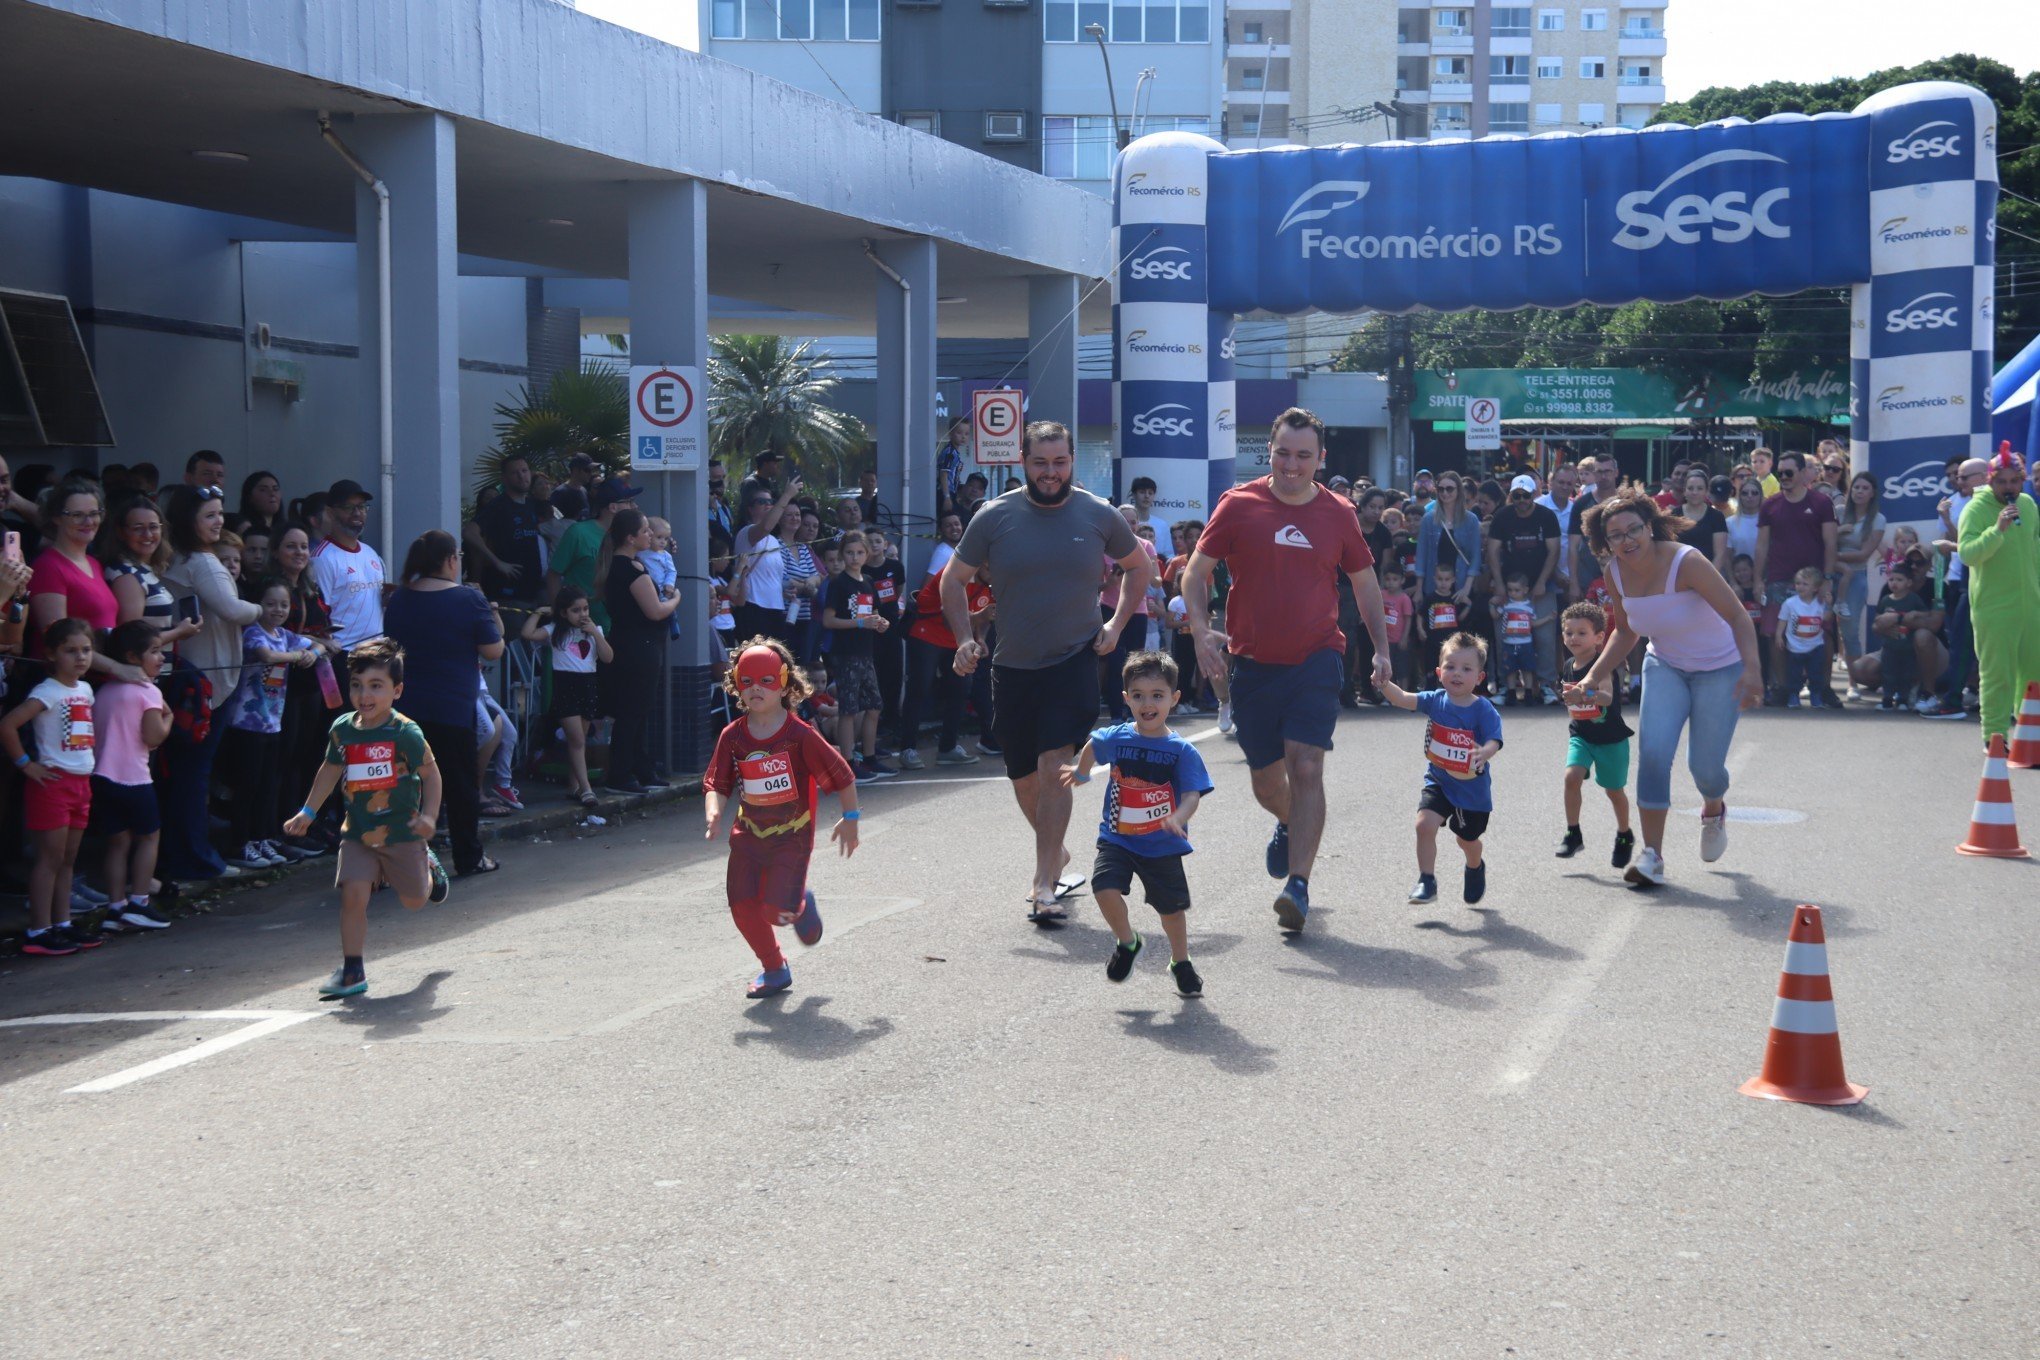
(2026, 736)
(1993, 829)
(1803, 1057)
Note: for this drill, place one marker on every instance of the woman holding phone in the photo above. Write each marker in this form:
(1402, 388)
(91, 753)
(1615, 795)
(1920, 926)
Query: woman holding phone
(132, 546)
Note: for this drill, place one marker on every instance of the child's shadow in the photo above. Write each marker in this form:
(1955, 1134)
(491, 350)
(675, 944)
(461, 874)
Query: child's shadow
(1197, 1031)
(1359, 965)
(1088, 944)
(399, 1015)
(804, 1032)
(1496, 935)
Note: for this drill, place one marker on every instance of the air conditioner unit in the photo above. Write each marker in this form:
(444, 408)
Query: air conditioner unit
(1005, 127)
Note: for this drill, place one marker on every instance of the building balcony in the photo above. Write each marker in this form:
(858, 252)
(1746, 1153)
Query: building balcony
(1412, 49)
(1637, 45)
(1508, 90)
(1254, 97)
(1412, 96)
(1446, 41)
(1628, 5)
(1641, 90)
(1257, 52)
(1451, 89)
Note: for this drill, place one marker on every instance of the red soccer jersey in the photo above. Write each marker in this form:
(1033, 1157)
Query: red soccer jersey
(929, 625)
(1285, 561)
(776, 780)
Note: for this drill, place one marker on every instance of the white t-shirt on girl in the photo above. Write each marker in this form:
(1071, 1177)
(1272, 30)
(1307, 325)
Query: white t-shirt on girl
(1802, 624)
(724, 618)
(575, 656)
(63, 730)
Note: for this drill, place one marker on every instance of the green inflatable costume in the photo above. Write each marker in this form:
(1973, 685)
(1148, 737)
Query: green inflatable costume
(2004, 602)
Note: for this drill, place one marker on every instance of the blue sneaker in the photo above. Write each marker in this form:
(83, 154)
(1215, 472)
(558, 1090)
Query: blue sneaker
(807, 927)
(1293, 905)
(1278, 852)
(770, 984)
(337, 985)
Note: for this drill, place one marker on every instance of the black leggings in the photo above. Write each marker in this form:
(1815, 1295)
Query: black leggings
(458, 755)
(634, 680)
(250, 775)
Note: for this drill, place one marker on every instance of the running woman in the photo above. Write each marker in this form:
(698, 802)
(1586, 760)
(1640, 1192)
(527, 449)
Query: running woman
(1285, 539)
(1042, 542)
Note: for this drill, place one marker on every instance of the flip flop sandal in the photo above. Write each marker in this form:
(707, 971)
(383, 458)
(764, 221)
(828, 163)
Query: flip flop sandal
(485, 866)
(588, 800)
(1048, 914)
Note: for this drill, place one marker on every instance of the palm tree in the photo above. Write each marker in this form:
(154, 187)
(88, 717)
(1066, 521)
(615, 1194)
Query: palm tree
(585, 410)
(764, 393)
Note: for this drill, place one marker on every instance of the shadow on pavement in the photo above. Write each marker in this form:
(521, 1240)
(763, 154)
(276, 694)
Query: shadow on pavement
(398, 1015)
(1092, 944)
(1862, 1114)
(1360, 965)
(1496, 935)
(30, 1050)
(804, 1032)
(1196, 1031)
(1758, 911)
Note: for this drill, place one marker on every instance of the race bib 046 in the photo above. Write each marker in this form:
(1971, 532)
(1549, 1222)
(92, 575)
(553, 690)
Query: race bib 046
(768, 778)
(371, 765)
(1143, 807)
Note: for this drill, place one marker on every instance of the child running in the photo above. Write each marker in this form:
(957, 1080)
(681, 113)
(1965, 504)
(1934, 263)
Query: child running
(1158, 779)
(58, 804)
(1463, 736)
(391, 787)
(1600, 739)
(776, 766)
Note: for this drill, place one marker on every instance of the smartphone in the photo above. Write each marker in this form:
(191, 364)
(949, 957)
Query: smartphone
(187, 609)
(12, 550)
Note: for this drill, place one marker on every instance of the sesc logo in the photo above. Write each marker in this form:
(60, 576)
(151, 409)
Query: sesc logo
(1923, 314)
(1157, 420)
(1924, 144)
(1921, 479)
(1171, 263)
(1226, 347)
(1323, 199)
(1727, 217)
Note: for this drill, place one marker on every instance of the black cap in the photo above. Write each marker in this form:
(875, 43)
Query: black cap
(1720, 487)
(612, 490)
(580, 460)
(346, 489)
(769, 456)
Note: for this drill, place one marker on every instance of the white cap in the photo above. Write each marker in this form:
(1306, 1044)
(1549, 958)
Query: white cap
(1524, 482)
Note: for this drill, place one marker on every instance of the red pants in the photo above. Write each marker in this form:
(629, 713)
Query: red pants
(767, 883)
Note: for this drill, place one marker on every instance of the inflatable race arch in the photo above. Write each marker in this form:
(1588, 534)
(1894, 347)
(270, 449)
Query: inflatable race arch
(1896, 200)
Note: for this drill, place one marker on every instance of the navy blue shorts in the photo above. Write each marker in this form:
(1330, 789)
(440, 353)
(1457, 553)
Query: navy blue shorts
(1277, 704)
(124, 807)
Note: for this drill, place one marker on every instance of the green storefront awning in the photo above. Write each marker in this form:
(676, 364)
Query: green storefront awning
(1642, 432)
(1633, 394)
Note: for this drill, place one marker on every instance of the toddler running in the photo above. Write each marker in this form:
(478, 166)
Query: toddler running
(1463, 736)
(1600, 739)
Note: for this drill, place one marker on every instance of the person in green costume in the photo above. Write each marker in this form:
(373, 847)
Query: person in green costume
(1999, 539)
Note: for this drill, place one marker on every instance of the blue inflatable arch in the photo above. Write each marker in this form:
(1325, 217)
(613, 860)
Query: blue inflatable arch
(1896, 200)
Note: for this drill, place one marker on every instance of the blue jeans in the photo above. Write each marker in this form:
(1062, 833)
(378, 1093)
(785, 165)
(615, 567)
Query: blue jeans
(1702, 704)
(187, 850)
(1961, 652)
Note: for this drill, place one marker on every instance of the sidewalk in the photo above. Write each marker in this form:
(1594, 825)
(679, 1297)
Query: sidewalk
(549, 812)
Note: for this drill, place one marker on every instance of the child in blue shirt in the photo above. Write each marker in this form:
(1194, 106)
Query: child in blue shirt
(1158, 779)
(1463, 736)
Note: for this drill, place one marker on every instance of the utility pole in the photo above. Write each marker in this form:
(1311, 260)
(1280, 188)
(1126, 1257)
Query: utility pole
(1402, 390)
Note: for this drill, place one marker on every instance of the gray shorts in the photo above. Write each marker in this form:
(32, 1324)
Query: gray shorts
(856, 682)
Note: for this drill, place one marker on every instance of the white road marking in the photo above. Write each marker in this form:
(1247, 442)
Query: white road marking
(1531, 1049)
(264, 1022)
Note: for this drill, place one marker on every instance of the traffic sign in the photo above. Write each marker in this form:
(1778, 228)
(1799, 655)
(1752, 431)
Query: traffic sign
(665, 418)
(997, 421)
(1483, 423)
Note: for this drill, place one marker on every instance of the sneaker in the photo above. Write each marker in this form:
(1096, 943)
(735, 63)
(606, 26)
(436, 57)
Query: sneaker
(1573, 843)
(281, 853)
(1292, 905)
(1648, 871)
(1225, 722)
(143, 918)
(1550, 696)
(227, 871)
(910, 759)
(655, 784)
(84, 894)
(1122, 959)
(1476, 883)
(879, 769)
(337, 985)
(252, 856)
(1278, 852)
(51, 943)
(1625, 843)
(863, 772)
(1887, 703)
(1189, 710)
(1792, 701)
(1926, 704)
(1426, 889)
(1714, 836)
(770, 984)
(441, 884)
(508, 797)
(807, 927)
(1942, 709)
(988, 746)
(956, 755)
(1187, 981)
(83, 933)
(110, 923)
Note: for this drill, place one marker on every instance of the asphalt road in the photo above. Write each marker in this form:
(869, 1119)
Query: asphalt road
(555, 1128)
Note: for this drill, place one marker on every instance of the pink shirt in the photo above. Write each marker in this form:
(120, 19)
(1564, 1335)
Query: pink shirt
(1684, 631)
(117, 719)
(86, 594)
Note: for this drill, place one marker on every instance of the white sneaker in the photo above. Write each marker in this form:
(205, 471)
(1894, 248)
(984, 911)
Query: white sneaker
(910, 759)
(955, 755)
(133, 917)
(1225, 725)
(1714, 836)
(1648, 869)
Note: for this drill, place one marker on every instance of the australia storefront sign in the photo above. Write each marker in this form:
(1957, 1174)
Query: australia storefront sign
(1634, 394)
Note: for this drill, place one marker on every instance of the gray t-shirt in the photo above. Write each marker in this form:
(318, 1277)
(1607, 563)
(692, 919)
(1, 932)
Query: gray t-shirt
(1047, 565)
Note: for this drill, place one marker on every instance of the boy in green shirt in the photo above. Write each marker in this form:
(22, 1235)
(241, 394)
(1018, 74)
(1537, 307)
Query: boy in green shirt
(391, 788)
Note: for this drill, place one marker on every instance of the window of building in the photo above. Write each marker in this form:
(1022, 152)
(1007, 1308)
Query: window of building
(1128, 21)
(1508, 118)
(1548, 114)
(1509, 21)
(922, 121)
(1593, 21)
(795, 20)
(1251, 78)
(1449, 68)
(1593, 68)
(1451, 117)
(1639, 73)
(1452, 23)
(1251, 33)
(1551, 21)
(1641, 27)
(726, 19)
(1006, 127)
(1551, 68)
(1595, 115)
(1509, 68)
(1250, 124)
(1081, 146)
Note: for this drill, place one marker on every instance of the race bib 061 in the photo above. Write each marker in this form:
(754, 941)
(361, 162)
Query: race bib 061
(371, 765)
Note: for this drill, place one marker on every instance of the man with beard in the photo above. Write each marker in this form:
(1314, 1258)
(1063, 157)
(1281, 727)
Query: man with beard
(1044, 545)
(2000, 544)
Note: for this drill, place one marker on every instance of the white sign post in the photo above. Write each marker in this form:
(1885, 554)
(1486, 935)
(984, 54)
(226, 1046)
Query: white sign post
(997, 421)
(665, 418)
(1483, 423)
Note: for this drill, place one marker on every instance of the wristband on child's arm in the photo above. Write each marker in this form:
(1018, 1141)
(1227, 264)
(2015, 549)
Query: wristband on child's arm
(22, 762)
(311, 813)
(852, 815)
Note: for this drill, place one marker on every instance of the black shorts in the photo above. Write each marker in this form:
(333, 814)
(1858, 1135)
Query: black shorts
(1277, 704)
(1464, 823)
(574, 695)
(1161, 877)
(1037, 711)
(124, 807)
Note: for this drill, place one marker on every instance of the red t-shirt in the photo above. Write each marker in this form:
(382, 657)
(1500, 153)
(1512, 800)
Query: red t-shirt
(776, 780)
(929, 625)
(1797, 539)
(1285, 562)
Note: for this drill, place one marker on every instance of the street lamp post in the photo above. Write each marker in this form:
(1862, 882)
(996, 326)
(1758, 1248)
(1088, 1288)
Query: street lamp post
(1121, 136)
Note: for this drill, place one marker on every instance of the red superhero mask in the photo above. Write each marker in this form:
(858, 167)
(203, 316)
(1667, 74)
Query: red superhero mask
(761, 666)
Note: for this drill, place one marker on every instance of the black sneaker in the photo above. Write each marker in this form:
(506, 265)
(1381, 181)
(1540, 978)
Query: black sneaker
(84, 934)
(1625, 842)
(1476, 883)
(1122, 960)
(1573, 843)
(1187, 981)
(1426, 889)
(51, 943)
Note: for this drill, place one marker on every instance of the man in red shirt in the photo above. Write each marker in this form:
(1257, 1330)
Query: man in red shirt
(1285, 540)
(1795, 529)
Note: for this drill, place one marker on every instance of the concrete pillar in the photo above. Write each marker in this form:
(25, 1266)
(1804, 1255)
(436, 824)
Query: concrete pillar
(412, 153)
(906, 395)
(1052, 346)
(669, 325)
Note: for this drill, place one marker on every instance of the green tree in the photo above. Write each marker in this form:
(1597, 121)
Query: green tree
(766, 393)
(584, 410)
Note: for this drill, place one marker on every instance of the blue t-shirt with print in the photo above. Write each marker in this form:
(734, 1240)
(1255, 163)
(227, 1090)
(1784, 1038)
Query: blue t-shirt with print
(1148, 777)
(1451, 736)
(257, 702)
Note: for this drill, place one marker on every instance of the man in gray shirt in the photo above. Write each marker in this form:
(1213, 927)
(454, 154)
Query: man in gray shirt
(1047, 545)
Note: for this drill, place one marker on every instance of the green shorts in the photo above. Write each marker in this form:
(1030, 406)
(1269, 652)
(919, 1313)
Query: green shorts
(1610, 762)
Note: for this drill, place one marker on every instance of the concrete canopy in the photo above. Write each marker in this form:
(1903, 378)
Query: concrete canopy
(555, 113)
